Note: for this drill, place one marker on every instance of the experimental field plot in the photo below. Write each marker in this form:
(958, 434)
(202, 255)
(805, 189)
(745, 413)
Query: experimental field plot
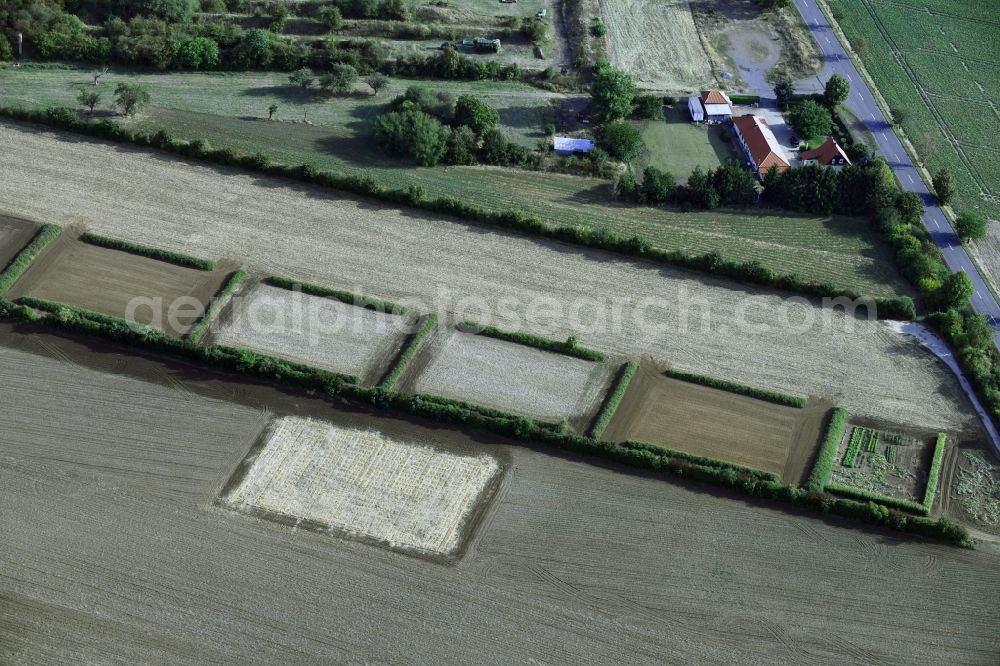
(717, 424)
(317, 331)
(887, 462)
(364, 485)
(147, 291)
(514, 378)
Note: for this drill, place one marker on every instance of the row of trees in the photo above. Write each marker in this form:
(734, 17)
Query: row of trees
(729, 185)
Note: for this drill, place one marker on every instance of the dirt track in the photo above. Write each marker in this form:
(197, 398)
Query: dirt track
(281, 227)
(113, 554)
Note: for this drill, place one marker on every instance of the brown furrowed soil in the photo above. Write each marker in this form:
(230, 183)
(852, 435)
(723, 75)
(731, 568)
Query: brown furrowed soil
(706, 325)
(110, 281)
(114, 553)
(718, 424)
(14, 235)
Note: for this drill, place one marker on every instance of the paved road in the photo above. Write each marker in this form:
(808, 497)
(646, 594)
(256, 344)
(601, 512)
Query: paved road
(862, 104)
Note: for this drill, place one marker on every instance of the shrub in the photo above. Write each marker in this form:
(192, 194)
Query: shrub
(407, 353)
(571, 347)
(823, 468)
(598, 29)
(476, 115)
(648, 106)
(150, 252)
(810, 119)
(934, 474)
(622, 140)
(412, 133)
(336, 294)
(461, 147)
(741, 389)
(611, 92)
(20, 263)
(657, 185)
(231, 284)
(340, 79)
(613, 400)
(970, 225)
(131, 97)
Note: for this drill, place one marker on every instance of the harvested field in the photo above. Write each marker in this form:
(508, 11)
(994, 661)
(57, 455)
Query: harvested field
(718, 424)
(512, 377)
(114, 554)
(321, 332)
(112, 282)
(704, 325)
(364, 485)
(14, 235)
(657, 42)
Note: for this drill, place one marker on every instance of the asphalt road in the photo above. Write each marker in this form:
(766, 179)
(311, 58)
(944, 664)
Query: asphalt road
(862, 104)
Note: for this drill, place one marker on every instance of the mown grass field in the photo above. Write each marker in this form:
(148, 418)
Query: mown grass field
(231, 111)
(678, 145)
(936, 60)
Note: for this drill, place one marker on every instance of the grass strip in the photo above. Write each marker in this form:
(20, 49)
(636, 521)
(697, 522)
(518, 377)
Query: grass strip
(741, 389)
(934, 474)
(744, 99)
(406, 355)
(570, 347)
(215, 306)
(349, 388)
(343, 296)
(20, 263)
(893, 502)
(176, 258)
(701, 460)
(823, 469)
(613, 400)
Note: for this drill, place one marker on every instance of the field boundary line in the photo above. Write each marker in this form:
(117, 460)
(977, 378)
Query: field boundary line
(407, 352)
(350, 298)
(27, 254)
(739, 389)
(570, 347)
(176, 258)
(613, 399)
(216, 305)
(823, 467)
(703, 460)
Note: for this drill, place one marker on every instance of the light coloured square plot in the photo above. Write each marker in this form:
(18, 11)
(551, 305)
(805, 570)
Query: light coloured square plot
(321, 332)
(365, 484)
(513, 377)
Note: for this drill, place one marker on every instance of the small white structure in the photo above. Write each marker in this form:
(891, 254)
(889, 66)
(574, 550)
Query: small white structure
(713, 106)
(567, 145)
(694, 107)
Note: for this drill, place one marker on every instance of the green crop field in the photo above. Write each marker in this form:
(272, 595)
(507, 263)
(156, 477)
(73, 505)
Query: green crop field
(230, 110)
(936, 60)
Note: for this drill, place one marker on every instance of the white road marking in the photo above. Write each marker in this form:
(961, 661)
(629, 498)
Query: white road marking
(873, 117)
(909, 177)
(849, 77)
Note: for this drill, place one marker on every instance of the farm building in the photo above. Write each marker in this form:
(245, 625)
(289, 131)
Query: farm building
(759, 143)
(829, 154)
(712, 106)
(567, 145)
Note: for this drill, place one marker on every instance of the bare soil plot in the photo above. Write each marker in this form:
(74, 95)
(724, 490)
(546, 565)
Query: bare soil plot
(717, 424)
(114, 554)
(704, 325)
(364, 485)
(321, 332)
(15, 233)
(512, 377)
(656, 40)
(117, 283)
(884, 460)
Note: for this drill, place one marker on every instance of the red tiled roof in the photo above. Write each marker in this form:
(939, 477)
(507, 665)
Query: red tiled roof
(827, 153)
(750, 128)
(714, 97)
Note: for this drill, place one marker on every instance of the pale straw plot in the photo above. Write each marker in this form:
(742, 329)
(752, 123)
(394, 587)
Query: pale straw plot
(513, 377)
(321, 332)
(365, 485)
